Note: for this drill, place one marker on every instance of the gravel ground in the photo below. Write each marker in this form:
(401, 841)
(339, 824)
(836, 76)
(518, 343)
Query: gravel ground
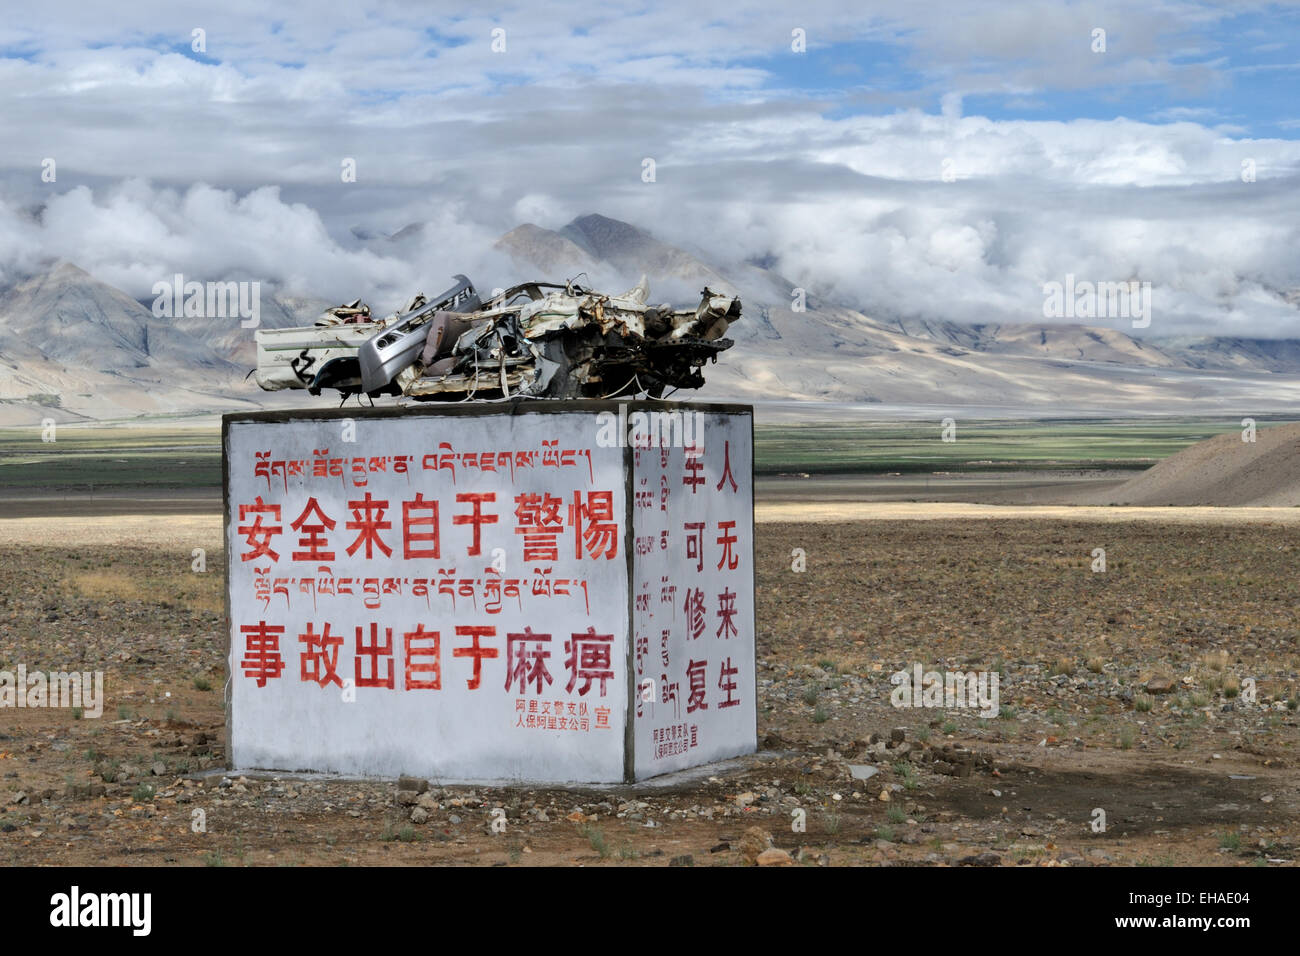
(1125, 691)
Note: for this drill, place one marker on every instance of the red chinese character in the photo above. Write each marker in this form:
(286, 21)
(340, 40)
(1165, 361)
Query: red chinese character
(695, 613)
(539, 521)
(374, 650)
(695, 673)
(257, 535)
(474, 651)
(412, 651)
(527, 663)
(726, 468)
(727, 539)
(589, 658)
(262, 651)
(410, 522)
(477, 519)
(695, 542)
(695, 468)
(727, 684)
(319, 661)
(314, 539)
(600, 533)
(369, 526)
(726, 611)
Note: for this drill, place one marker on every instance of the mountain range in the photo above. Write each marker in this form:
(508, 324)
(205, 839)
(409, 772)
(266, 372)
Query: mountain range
(75, 348)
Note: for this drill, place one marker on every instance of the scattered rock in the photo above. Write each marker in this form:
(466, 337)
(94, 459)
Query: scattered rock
(981, 859)
(1160, 685)
(775, 857)
(753, 843)
(684, 860)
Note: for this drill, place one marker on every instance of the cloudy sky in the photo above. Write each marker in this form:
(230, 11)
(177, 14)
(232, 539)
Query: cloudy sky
(936, 160)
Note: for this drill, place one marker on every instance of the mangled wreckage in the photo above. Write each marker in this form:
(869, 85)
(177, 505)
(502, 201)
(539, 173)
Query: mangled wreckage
(537, 339)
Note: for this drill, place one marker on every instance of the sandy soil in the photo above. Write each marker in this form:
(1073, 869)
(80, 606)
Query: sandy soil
(1224, 470)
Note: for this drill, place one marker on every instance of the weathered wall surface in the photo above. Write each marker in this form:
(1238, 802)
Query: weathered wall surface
(448, 593)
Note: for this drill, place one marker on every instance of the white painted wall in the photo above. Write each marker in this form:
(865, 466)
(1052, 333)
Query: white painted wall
(452, 733)
(664, 643)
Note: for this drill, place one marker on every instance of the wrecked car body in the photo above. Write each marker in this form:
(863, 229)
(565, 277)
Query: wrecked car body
(536, 339)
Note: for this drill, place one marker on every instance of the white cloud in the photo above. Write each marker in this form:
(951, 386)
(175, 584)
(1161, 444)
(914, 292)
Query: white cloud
(231, 168)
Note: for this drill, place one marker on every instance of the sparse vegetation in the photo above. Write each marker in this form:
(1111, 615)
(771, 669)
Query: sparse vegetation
(596, 837)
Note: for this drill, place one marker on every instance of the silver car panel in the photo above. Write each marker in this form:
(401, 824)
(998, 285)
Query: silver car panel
(399, 345)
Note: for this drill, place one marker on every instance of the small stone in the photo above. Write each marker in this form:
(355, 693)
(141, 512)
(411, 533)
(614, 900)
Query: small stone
(1160, 685)
(775, 857)
(884, 795)
(981, 859)
(159, 768)
(743, 800)
(419, 815)
(684, 860)
(407, 798)
(754, 841)
(417, 784)
(898, 735)
(453, 819)
(427, 801)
